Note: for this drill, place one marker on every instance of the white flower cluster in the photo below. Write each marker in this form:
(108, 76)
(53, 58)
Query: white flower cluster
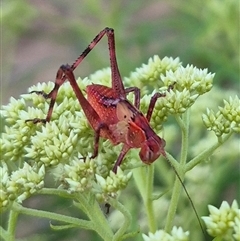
(79, 174)
(180, 86)
(226, 119)
(177, 234)
(111, 185)
(148, 75)
(55, 145)
(20, 184)
(224, 222)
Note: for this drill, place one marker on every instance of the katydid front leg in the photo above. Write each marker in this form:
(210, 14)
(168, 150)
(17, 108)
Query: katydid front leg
(154, 99)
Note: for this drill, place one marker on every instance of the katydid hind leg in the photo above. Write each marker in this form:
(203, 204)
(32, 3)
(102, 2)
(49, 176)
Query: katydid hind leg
(117, 83)
(116, 78)
(92, 116)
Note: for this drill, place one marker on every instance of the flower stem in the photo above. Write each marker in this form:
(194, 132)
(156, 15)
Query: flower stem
(206, 153)
(3, 234)
(52, 216)
(144, 182)
(185, 136)
(89, 205)
(127, 219)
(96, 215)
(97, 223)
(173, 205)
(184, 125)
(149, 200)
(12, 223)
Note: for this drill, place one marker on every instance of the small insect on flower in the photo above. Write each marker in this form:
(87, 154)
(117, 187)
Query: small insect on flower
(111, 115)
(108, 111)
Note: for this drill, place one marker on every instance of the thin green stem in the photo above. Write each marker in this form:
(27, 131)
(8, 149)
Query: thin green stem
(184, 125)
(127, 219)
(139, 175)
(90, 206)
(62, 193)
(130, 235)
(57, 192)
(172, 161)
(175, 193)
(144, 182)
(52, 216)
(206, 153)
(3, 233)
(149, 200)
(180, 122)
(12, 224)
(97, 223)
(173, 205)
(96, 215)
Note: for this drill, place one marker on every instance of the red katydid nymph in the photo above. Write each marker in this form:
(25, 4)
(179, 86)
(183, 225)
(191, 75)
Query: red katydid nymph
(111, 115)
(108, 111)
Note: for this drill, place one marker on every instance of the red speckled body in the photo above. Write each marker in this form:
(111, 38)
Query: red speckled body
(103, 100)
(126, 124)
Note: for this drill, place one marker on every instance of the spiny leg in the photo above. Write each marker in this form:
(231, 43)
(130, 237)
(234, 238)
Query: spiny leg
(116, 78)
(92, 116)
(122, 154)
(152, 104)
(136, 91)
(117, 84)
(154, 99)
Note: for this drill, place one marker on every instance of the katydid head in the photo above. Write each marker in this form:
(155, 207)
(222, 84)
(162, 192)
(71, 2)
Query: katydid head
(151, 149)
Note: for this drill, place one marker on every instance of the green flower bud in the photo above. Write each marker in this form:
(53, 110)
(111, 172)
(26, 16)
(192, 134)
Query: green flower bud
(11, 111)
(102, 77)
(150, 73)
(112, 184)
(231, 112)
(221, 222)
(226, 119)
(236, 229)
(197, 81)
(177, 234)
(79, 174)
(20, 184)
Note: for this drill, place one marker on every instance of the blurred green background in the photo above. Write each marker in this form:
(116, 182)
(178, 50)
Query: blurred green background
(39, 36)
